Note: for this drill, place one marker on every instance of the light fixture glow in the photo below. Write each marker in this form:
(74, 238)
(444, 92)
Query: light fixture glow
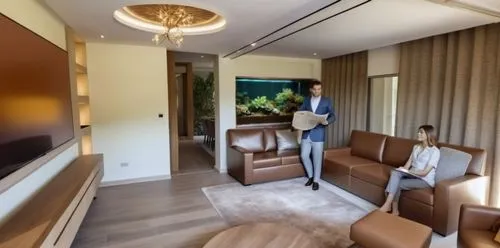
(253, 44)
(102, 36)
(131, 21)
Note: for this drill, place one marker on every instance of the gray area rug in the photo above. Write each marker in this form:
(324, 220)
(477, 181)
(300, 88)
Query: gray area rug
(322, 214)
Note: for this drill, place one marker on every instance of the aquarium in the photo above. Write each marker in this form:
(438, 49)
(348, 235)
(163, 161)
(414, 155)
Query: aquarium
(263, 100)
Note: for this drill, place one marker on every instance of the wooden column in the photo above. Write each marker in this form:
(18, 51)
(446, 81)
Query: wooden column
(189, 107)
(172, 112)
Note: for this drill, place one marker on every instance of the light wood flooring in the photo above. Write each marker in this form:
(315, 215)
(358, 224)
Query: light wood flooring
(171, 213)
(193, 157)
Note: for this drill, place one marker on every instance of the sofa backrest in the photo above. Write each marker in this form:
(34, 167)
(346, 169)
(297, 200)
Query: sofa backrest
(367, 145)
(251, 140)
(397, 151)
(478, 161)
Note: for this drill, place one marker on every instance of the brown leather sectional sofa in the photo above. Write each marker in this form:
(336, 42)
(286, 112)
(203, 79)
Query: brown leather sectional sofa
(253, 157)
(364, 169)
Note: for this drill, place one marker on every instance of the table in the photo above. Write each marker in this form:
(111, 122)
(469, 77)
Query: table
(262, 235)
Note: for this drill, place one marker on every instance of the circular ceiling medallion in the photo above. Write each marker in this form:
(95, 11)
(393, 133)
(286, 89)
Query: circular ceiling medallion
(147, 17)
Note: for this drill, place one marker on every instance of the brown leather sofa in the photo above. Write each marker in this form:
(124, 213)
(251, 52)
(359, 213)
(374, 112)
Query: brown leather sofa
(253, 157)
(475, 228)
(363, 168)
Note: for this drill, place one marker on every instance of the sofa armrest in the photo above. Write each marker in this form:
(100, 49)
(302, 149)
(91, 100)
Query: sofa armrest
(478, 217)
(335, 152)
(240, 164)
(449, 195)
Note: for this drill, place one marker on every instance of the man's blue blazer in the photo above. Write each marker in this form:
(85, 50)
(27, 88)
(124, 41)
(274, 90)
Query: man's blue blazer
(325, 106)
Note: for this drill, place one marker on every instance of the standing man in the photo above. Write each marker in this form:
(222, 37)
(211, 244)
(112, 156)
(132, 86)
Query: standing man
(313, 140)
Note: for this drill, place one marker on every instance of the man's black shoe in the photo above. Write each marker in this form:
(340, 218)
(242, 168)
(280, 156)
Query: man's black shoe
(309, 182)
(315, 186)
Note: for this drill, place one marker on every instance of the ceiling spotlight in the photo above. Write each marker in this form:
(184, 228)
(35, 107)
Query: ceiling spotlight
(238, 51)
(315, 54)
(202, 56)
(253, 44)
(102, 36)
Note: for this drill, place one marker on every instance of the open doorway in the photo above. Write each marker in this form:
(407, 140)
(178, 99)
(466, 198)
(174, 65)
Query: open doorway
(382, 104)
(195, 112)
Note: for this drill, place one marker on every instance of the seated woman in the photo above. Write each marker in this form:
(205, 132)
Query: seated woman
(422, 163)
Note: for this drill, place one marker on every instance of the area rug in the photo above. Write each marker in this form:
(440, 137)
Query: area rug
(323, 214)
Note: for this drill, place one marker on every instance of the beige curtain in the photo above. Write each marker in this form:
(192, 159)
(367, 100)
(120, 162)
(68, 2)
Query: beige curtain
(452, 81)
(345, 81)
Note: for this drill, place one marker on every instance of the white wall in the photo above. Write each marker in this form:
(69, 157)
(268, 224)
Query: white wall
(128, 89)
(32, 15)
(253, 66)
(383, 61)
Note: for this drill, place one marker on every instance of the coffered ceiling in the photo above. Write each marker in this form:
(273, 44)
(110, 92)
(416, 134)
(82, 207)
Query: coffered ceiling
(344, 27)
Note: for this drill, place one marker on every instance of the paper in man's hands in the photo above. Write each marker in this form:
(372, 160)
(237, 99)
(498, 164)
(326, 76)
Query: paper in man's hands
(307, 120)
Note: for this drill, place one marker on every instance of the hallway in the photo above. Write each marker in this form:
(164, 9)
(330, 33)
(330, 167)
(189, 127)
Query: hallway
(193, 157)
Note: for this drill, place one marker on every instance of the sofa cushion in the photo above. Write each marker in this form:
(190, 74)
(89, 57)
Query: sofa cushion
(367, 145)
(397, 151)
(251, 140)
(452, 164)
(377, 174)
(289, 156)
(266, 159)
(349, 161)
(286, 140)
(478, 160)
(422, 195)
(270, 140)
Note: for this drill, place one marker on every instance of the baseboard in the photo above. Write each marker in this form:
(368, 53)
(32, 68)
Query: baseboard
(135, 180)
(224, 171)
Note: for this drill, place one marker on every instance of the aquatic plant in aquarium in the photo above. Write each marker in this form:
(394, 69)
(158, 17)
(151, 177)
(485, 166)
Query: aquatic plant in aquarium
(260, 100)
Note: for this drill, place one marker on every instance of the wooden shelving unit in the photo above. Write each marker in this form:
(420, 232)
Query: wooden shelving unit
(83, 97)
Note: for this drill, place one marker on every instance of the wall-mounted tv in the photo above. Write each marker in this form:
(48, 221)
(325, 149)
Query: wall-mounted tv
(35, 97)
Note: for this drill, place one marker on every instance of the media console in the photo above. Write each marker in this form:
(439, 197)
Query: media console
(52, 216)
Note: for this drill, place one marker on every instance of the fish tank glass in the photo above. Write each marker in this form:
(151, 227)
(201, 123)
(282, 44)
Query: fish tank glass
(265, 100)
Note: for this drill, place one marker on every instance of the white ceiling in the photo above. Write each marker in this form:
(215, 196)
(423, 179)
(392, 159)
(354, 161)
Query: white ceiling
(375, 24)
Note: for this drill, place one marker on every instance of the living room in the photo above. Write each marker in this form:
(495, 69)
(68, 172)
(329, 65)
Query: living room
(443, 53)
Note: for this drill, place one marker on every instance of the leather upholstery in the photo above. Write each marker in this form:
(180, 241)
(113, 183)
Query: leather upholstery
(437, 208)
(382, 230)
(475, 226)
(269, 140)
(367, 145)
(252, 157)
(265, 159)
(375, 174)
(250, 140)
(396, 151)
(425, 196)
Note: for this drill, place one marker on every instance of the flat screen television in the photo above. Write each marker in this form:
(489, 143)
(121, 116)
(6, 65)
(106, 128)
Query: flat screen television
(35, 97)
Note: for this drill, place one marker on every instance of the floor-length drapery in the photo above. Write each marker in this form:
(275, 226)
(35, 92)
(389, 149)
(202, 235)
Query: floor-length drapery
(452, 81)
(345, 81)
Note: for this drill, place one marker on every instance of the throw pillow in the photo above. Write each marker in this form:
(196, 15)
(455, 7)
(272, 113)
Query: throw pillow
(286, 140)
(452, 164)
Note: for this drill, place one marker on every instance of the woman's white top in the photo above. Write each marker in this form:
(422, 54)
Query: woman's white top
(422, 157)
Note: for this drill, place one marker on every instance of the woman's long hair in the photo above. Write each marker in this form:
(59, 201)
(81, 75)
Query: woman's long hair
(431, 137)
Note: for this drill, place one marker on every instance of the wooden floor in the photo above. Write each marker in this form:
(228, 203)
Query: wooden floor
(171, 213)
(193, 157)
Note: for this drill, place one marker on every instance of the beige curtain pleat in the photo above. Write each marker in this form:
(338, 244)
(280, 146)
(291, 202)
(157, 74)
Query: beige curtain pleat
(452, 81)
(345, 81)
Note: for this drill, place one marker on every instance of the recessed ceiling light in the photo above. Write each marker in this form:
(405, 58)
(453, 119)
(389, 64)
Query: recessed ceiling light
(253, 44)
(238, 51)
(202, 56)
(102, 36)
(315, 54)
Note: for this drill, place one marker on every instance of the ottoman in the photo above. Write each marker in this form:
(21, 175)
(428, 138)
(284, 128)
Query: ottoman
(383, 230)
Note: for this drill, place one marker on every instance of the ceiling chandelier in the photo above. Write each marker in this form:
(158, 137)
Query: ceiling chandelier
(172, 18)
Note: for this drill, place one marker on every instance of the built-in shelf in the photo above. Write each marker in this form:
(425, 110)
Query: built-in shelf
(81, 69)
(83, 99)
